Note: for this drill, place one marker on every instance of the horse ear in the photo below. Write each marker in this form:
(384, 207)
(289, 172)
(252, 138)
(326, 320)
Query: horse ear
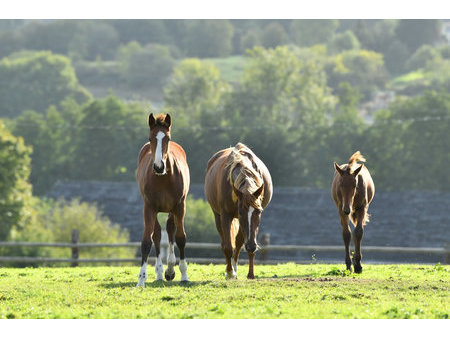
(168, 120)
(258, 192)
(356, 172)
(338, 169)
(151, 121)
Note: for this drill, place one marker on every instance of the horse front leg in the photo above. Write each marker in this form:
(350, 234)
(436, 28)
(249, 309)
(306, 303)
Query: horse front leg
(180, 239)
(146, 244)
(237, 250)
(227, 247)
(159, 268)
(358, 234)
(346, 236)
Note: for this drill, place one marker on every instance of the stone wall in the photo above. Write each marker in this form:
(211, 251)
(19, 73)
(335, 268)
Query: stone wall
(300, 216)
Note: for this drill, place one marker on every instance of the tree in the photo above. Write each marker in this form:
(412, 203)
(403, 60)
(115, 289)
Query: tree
(194, 92)
(249, 40)
(93, 40)
(15, 191)
(423, 57)
(282, 85)
(312, 32)
(409, 143)
(54, 36)
(149, 67)
(209, 38)
(415, 33)
(9, 43)
(52, 137)
(274, 35)
(362, 69)
(36, 80)
(143, 31)
(109, 136)
(344, 41)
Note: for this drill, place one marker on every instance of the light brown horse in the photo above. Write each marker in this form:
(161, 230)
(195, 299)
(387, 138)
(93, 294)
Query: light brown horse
(163, 177)
(352, 191)
(238, 187)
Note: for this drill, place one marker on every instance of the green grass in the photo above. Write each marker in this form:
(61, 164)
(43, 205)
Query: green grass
(281, 291)
(410, 78)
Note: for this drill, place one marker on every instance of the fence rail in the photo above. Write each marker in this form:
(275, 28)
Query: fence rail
(262, 258)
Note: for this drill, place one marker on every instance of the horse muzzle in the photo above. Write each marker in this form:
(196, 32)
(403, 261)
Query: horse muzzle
(159, 170)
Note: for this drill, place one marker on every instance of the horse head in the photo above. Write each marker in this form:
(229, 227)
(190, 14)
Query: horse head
(347, 186)
(159, 141)
(249, 213)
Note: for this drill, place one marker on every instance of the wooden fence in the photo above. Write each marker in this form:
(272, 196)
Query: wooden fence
(261, 258)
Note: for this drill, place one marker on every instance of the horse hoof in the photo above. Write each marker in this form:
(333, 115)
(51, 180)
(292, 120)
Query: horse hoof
(250, 276)
(358, 269)
(169, 276)
(184, 282)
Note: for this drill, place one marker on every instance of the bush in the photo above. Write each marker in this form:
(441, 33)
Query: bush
(199, 221)
(53, 222)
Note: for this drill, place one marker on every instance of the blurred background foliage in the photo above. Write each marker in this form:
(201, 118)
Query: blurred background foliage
(75, 96)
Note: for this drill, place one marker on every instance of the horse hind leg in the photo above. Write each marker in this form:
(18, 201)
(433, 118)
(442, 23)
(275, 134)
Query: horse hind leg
(358, 234)
(180, 239)
(171, 259)
(159, 268)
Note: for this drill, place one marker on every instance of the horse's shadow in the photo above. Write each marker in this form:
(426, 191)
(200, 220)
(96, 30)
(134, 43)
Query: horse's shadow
(154, 284)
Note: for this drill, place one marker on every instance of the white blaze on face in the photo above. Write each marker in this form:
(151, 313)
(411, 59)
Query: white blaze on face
(250, 213)
(158, 152)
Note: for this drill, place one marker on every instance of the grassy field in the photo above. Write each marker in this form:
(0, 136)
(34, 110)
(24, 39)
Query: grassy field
(281, 291)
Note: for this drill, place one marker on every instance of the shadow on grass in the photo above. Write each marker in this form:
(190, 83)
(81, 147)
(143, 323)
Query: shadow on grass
(154, 284)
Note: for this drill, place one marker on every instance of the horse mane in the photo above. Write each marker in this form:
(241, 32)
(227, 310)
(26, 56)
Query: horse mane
(355, 158)
(249, 179)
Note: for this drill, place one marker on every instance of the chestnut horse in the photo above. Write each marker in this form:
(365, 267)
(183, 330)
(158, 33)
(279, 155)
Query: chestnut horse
(163, 177)
(238, 187)
(352, 191)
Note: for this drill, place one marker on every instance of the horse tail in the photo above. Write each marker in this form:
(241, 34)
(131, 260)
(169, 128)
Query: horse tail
(356, 157)
(234, 231)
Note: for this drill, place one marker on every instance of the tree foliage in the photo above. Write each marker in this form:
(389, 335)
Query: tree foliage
(15, 191)
(194, 92)
(209, 38)
(148, 67)
(35, 81)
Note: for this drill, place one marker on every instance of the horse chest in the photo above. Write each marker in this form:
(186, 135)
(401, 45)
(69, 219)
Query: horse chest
(162, 197)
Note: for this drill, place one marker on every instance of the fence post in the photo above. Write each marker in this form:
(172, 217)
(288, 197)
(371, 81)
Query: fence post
(76, 249)
(265, 241)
